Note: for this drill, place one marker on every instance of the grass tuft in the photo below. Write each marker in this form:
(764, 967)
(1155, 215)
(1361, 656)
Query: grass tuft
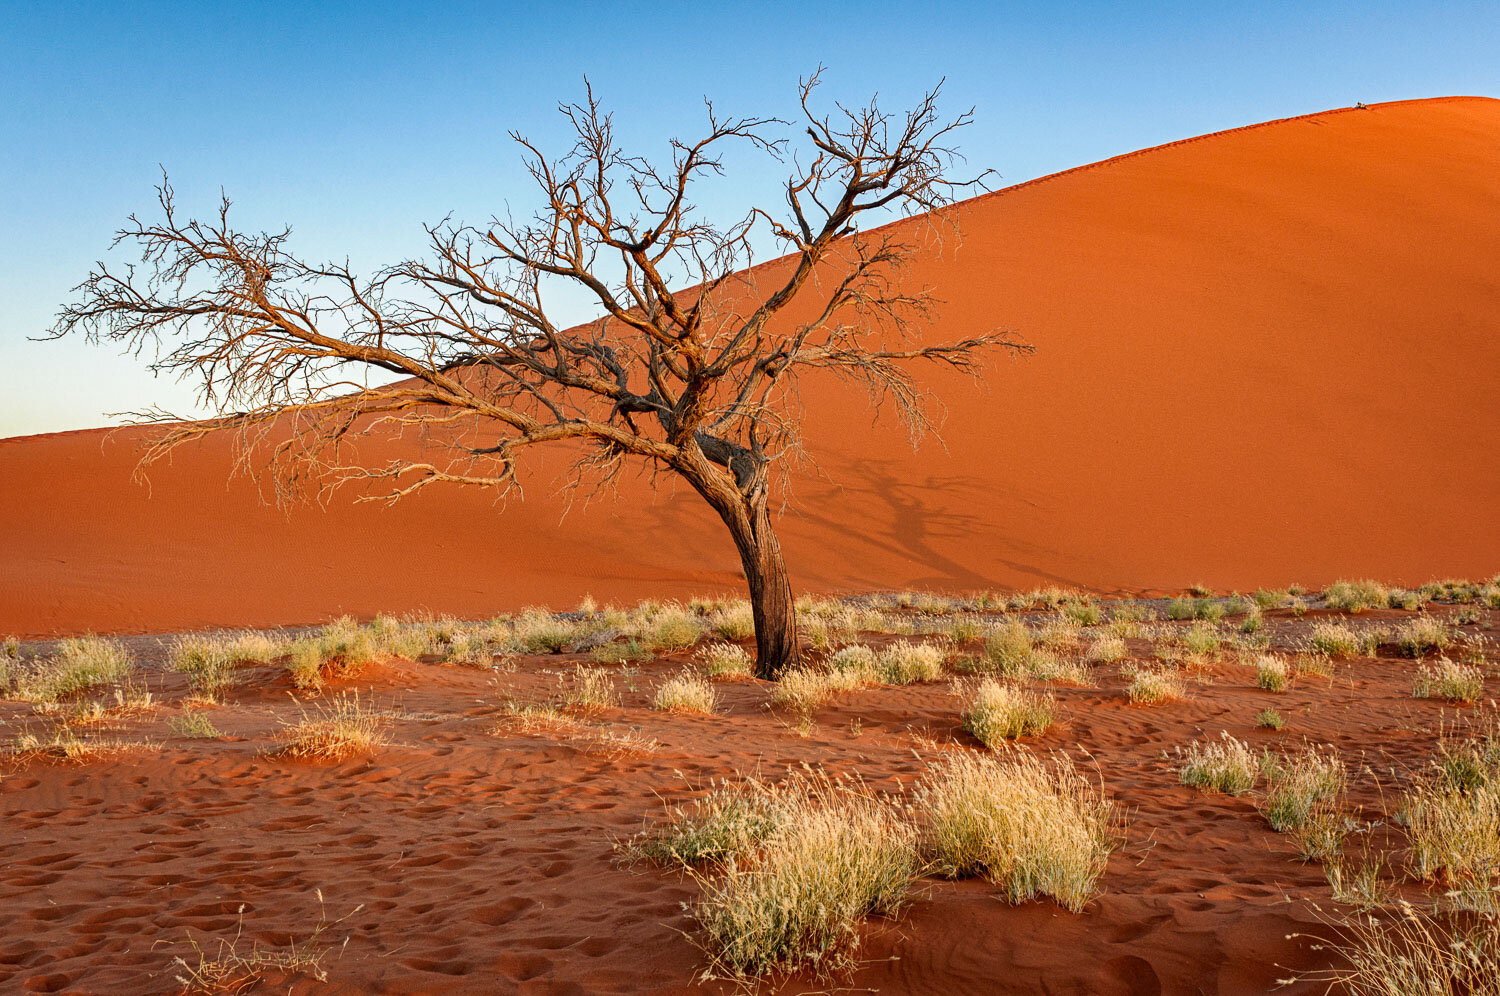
(999, 712)
(337, 728)
(1225, 765)
(685, 692)
(1449, 680)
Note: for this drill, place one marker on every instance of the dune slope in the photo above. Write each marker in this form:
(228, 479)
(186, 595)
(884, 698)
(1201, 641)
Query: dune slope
(1264, 355)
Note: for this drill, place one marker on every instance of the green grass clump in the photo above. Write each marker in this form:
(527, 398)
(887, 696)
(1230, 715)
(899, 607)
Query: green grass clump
(1454, 831)
(628, 651)
(1269, 719)
(1107, 649)
(337, 728)
(78, 664)
(588, 689)
(1083, 613)
(731, 819)
(1445, 679)
(1007, 647)
(685, 693)
(1225, 765)
(1206, 609)
(734, 621)
(999, 712)
(1201, 641)
(1034, 827)
(1271, 599)
(1356, 596)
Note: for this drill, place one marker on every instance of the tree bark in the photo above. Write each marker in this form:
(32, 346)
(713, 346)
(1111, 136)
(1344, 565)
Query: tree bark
(771, 602)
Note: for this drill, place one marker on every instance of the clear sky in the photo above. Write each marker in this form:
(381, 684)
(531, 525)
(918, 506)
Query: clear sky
(356, 122)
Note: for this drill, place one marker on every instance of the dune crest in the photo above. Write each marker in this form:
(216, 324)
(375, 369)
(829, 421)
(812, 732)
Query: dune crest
(1264, 355)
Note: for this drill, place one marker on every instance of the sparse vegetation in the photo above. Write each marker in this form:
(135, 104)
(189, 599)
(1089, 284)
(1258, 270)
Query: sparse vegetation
(1225, 765)
(1032, 826)
(723, 659)
(1269, 719)
(1153, 686)
(685, 692)
(998, 712)
(588, 689)
(1300, 787)
(1356, 596)
(1107, 649)
(193, 724)
(1445, 679)
(229, 970)
(78, 664)
(1422, 635)
(336, 728)
(1339, 640)
(1272, 673)
(903, 663)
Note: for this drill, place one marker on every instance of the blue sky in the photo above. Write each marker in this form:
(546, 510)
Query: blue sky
(357, 122)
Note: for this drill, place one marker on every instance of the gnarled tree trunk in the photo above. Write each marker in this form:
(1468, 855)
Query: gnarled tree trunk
(771, 602)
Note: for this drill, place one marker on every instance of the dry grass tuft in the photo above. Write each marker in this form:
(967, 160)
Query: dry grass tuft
(588, 689)
(1225, 765)
(78, 664)
(1449, 680)
(1033, 826)
(1000, 711)
(903, 663)
(337, 728)
(1412, 951)
(839, 854)
(193, 725)
(1356, 596)
(1153, 686)
(1338, 640)
(1301, 787)
(685, 693)
(229, 970)
(1272, 673)
(725, 659)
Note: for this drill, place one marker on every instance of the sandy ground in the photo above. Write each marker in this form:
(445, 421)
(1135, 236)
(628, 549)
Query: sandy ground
(468, 860)
(1264, 356)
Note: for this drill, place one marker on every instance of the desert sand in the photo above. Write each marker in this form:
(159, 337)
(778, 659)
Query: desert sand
(469, 855)
(1265, 355)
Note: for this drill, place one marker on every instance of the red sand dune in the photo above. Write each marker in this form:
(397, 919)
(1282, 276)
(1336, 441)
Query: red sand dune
(1264, 355)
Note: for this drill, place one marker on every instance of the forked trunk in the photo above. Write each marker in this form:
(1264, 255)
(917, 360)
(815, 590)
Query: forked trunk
(771, 599)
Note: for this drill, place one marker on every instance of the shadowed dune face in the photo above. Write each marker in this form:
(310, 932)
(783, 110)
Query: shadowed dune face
(1264, 355)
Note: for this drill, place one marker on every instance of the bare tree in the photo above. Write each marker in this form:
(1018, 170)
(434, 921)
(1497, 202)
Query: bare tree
(693, 366)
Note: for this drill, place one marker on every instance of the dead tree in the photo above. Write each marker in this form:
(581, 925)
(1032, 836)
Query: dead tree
(693, 365)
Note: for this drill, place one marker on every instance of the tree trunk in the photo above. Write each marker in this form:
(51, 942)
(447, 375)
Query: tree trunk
(771, 602)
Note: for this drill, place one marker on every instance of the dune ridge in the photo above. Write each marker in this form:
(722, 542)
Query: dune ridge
(1266, 354)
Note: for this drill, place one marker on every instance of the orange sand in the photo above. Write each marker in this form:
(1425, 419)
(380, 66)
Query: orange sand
(1264, 355)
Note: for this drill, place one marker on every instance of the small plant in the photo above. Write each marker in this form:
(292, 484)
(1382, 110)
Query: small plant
(231, 971)
(1421, 635)
(337, 728)
(193, 724)
(1315, 666)
(1356, 596)
(1268, 599)
(1269, 719)
(590, 690)
(1225, 765)
(999, 712)
(1298, 606)
(1299, 786)
(1417, 951)
(78, 664)
(1007, 647)
(1058, 633)
(208, 662)
(628, 652)
(1272, 673)
(1339, 640)
(1035, 827)
(1357, 884)
(1454, 831)
(730, 820)
(1204, 608)
(721, 659)
(1107, 650)
(733, 622)
(1201, 641)
(903, 663)
(799, 901)
(1153, 686)
(1084, 613)
(685, 693)
(1449, 680)
(1253, 620)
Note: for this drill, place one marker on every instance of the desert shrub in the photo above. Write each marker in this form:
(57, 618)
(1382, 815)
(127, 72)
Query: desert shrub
(1356, 596)
(304, 664)
(1300, 786)
(1321, 836)
(717, 659)
(1338, 640)
(734, 621)
(1269, 719)
(672, 629)
(1044, 665)
(1272, 673)
(1425, 633)
(803, 689)
(1253, 621)
(588, 689)
(193, 724)
(337, 728)
(1152, 686)
(903, 663)
(998, 712)
(799, 902)
(685, 693)
(79, 663)
(1399, 598)
(1469, 764)
(1298, 606)
(1201, 640)
(1445, 679)
(1225, 765)
(1033, 826)
(1206, 609)
(1107, 649)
